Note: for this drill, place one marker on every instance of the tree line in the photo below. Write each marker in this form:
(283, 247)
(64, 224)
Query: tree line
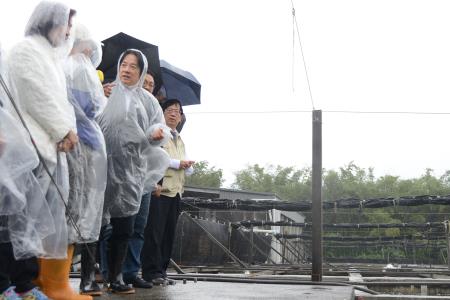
(350, 181)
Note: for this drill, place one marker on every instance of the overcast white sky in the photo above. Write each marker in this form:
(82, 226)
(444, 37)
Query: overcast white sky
(383, 55)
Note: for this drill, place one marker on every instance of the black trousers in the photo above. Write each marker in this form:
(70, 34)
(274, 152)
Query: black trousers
(159, 235)
(19, 273)
(117, 244)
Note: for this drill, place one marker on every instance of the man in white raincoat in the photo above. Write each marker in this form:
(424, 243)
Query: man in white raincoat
(38, 81)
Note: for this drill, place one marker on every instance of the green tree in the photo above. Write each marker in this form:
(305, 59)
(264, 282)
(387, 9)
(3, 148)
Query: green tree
(205, 176)
(287, 182)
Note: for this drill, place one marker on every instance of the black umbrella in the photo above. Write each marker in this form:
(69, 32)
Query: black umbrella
(114, 46)
(180, 84)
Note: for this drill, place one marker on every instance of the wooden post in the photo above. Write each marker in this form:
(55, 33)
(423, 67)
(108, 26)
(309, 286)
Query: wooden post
(317, 250)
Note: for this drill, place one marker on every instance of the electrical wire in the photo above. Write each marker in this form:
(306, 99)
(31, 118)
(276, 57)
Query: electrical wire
(323, 111)
(303, 55)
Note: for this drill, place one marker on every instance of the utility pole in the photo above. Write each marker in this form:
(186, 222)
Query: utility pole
(317, 250)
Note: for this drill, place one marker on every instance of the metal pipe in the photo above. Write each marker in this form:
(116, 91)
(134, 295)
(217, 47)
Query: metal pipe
(176, 267)
(212, 238)
(256, 247)
(285, 247)
(276, 251)
(225, 278)
(317, 250)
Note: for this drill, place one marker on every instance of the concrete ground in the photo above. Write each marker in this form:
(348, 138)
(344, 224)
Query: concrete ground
(223, 290)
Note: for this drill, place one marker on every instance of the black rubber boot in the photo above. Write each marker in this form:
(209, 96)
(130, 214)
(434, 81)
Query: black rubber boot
(88, 285)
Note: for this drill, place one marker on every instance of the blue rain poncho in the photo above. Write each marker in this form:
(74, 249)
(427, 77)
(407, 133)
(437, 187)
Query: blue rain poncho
(87, 162)
(135, 161)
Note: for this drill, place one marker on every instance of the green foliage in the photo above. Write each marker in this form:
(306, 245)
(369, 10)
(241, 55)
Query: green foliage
(205, 176)
(352, 181)
(287, 182)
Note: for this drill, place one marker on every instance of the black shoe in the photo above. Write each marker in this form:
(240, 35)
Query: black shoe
(90, 288)
(139, 283)
(88, 285)
(159, 281)
(120, 288)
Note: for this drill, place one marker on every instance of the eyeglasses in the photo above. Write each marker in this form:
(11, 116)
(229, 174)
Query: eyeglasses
(133, 67)
(175, 111)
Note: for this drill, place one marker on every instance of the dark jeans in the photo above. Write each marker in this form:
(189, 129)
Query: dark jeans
(118, 232)
(159, 236)
(19, 273)
(132, 262)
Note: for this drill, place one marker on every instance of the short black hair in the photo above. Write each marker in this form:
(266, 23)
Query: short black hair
(170, 102)
(138, 56)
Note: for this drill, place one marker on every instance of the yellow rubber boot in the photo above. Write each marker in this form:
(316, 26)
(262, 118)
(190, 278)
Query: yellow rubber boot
(53, 278)
(38, 280)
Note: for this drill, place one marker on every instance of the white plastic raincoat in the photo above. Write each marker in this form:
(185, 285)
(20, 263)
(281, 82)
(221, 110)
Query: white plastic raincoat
(87, 162)
(38, 84)
(135, 161)
(25, 217)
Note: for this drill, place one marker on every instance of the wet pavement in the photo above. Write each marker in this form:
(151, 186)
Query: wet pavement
(203, 290)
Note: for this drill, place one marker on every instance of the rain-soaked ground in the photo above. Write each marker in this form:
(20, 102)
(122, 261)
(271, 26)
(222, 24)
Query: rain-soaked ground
(203, 290)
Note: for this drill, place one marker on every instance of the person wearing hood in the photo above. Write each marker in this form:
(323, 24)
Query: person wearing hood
(134, 129)
(25, 217)
(132, 262)
(38, 84)
(87, 162)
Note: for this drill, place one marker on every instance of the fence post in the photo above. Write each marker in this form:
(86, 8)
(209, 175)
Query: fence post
(317, 250)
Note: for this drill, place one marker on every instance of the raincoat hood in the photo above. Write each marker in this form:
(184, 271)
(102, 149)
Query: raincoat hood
(83, 42)
(50, 20)
(140, 83)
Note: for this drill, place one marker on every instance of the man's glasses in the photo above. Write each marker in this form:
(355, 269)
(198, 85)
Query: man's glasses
(175, 111)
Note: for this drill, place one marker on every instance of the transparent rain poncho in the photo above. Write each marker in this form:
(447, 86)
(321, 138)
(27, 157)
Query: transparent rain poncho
(135, 161)
(49, 19)
(38, 84)
(25, 217)
(87, 162)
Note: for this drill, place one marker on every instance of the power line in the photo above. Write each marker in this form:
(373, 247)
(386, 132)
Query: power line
(303, 55)
(387, 112)
(324, 111)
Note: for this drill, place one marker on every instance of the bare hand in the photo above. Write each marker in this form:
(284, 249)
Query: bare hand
(69, 142)
(107, 88)
(72, 137)
(186, 164)
(65, 145)
(158, 190)
(158, 134)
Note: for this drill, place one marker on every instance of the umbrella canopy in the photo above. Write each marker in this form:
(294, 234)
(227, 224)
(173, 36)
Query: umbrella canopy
(114, 46)
(180, 84)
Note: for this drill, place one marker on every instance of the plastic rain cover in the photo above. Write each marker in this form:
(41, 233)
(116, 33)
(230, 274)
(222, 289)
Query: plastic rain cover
(135, 161)
(49, 19)
(87, 162)
(25, 217)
